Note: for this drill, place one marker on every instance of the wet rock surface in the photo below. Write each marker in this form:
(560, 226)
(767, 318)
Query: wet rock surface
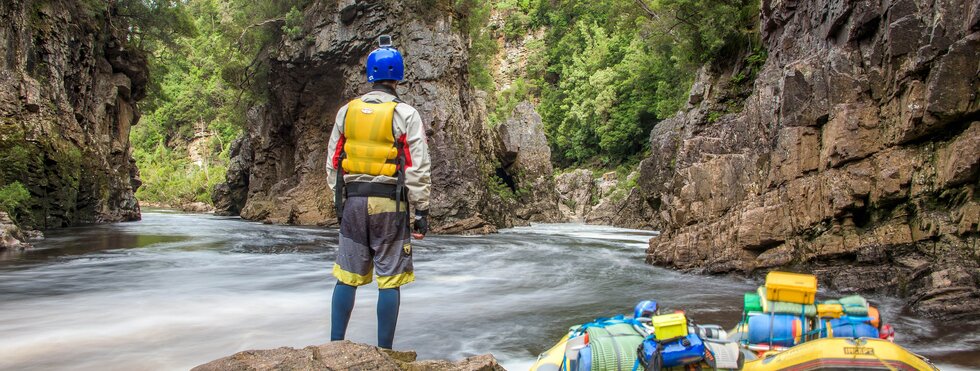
(605, 199)
(575, 191)
(525, 165)
(13, 237)
(229, 197)
(343, 355)
(855, 156)
(279, 176)
(68, 93)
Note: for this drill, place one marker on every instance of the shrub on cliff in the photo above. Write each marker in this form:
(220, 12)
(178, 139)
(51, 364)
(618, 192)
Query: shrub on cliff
(13, 196)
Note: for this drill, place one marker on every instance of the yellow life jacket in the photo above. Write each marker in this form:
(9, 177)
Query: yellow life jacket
(369, 139)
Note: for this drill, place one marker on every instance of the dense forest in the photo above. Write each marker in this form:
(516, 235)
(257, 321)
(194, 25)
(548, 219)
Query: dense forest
(607, 71)
(602, 76)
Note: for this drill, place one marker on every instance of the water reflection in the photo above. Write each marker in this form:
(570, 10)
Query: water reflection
(78, 241)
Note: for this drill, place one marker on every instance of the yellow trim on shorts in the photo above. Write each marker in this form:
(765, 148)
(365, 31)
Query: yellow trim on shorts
(352, 279)
(378, 205)
(398, 280)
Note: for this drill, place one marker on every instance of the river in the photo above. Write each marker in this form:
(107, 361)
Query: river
(177, 290)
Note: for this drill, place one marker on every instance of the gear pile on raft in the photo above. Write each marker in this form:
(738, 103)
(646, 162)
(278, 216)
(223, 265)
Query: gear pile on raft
(783, 327)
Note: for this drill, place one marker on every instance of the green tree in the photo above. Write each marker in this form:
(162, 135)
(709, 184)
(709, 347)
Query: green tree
(204, 80)
(610, 70)
(704, 31)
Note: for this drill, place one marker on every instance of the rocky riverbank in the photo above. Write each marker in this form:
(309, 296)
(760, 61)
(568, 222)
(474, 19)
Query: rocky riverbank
(853, 155)
(343, 355)
(12, 237)
(187, 207)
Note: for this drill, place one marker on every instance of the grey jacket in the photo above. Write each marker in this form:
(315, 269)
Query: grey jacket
(406, 122)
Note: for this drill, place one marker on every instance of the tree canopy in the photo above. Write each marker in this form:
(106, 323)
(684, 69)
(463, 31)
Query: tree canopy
(612, 69)
(204, 74)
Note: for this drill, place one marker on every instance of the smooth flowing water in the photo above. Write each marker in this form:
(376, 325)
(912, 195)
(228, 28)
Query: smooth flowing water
(176, 290)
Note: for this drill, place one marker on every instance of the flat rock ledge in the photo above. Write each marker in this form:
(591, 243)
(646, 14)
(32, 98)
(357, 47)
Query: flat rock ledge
(343, 355)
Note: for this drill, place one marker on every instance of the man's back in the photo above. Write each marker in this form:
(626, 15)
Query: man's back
(378, 166)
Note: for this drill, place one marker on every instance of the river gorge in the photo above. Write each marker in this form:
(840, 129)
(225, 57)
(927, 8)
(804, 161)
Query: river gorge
(176, 290)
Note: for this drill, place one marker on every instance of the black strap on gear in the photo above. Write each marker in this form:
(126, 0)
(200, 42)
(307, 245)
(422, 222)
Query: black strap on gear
(656, 361)
(401, 192)
(340, 189)
(369, 189)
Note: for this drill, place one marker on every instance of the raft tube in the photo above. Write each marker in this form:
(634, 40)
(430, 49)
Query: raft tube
(843, 354)
(551, 359)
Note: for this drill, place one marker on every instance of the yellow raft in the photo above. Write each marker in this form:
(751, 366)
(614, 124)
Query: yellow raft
(820, 354)
(842, 354)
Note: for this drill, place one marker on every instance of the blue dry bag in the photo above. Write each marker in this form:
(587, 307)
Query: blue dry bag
(678, 352)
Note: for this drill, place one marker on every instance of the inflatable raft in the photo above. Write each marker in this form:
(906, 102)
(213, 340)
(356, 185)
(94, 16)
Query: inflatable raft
(820, 354)
(783, 327)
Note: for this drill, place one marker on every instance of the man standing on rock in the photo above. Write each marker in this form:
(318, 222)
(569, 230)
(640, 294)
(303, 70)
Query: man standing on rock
(379, 162)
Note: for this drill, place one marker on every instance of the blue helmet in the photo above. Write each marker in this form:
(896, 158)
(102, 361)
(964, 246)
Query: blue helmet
(645, 309)
(385, 63)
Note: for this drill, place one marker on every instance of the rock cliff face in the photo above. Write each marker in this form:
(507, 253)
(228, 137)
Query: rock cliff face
(606, 200)
(855, 156)
(68, 93)
(525, 167)
(278, 175)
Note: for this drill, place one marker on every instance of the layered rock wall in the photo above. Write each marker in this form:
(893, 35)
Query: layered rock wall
(608, 199)
(279, 174)
(68, 93)
(855, 157)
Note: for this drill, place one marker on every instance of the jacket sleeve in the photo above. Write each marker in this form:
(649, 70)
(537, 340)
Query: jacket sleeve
(418, 174)
(335, 146)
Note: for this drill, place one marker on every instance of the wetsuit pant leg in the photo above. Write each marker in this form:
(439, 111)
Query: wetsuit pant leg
(389, 301)
(353, 266)
(391, 244)
(341, 307)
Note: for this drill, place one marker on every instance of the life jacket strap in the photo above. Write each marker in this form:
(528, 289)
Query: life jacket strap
(368, 189)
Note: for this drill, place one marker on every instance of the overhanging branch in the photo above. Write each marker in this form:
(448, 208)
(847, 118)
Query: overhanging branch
(260, 24)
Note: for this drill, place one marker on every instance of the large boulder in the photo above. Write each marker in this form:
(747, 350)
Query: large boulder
(606, 200)
(11, 237)
(576, 189)
(620, 203)
(525, 164)
(229, 197)
(343, 355)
